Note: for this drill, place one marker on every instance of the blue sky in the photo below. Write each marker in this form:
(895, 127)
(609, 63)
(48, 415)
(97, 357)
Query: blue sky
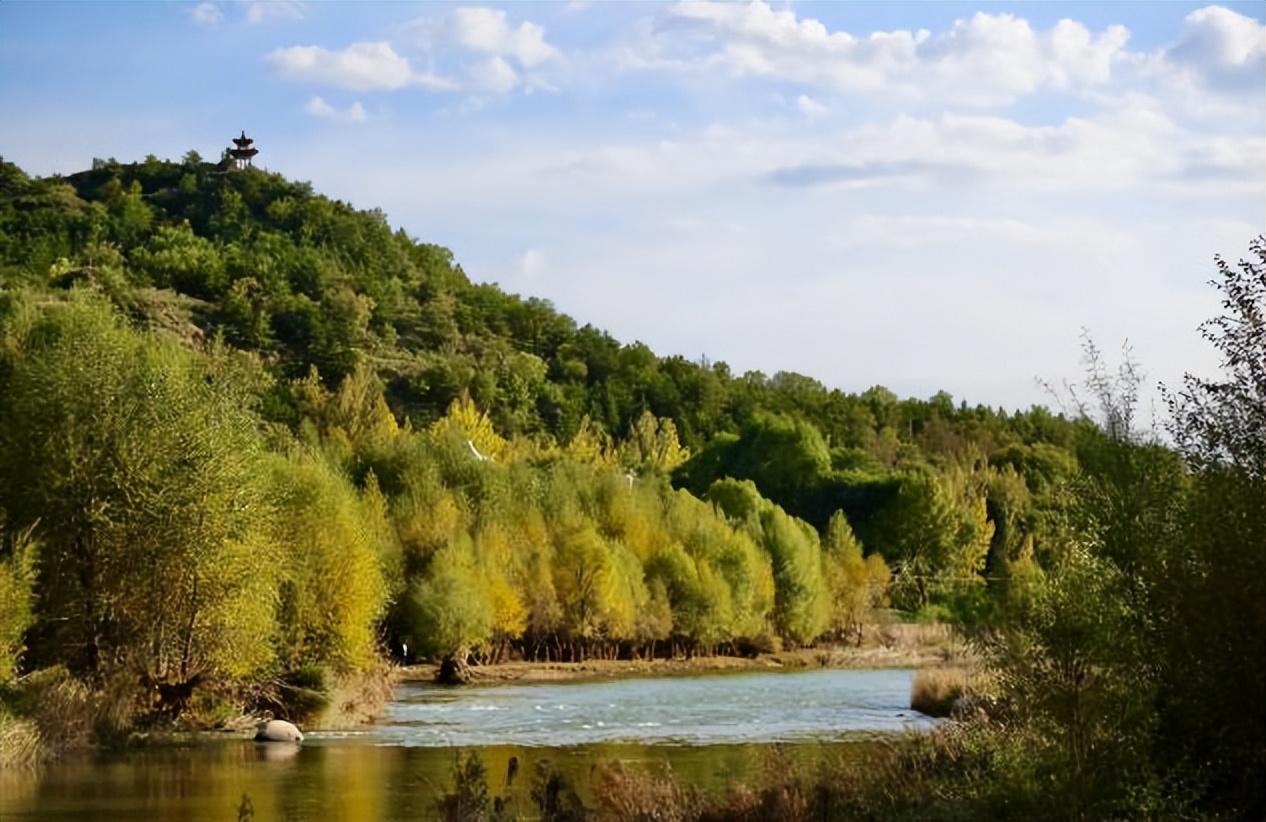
(924, 195)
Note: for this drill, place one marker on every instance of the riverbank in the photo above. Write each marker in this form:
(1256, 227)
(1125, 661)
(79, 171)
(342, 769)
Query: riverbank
(882, 646)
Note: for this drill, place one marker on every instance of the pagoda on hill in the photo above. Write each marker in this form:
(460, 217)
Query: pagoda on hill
(244, 151)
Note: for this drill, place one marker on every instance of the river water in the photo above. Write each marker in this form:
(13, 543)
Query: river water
(712, 731)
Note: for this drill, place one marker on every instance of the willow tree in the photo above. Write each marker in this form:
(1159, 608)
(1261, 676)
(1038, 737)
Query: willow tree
(450, 611)
(332, 540)
(137, 462)
(653, 443)
(801, 608)
(856, 584)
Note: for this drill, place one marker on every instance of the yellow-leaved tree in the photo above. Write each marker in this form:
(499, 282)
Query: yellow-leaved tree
(465, 421)
(856, 584)
(652, 442)
(333, 588)
(591, 445)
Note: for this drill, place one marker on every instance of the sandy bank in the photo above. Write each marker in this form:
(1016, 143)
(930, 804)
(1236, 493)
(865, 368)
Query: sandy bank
(891, 646)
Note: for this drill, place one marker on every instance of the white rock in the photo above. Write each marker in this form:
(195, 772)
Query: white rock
(278, 730)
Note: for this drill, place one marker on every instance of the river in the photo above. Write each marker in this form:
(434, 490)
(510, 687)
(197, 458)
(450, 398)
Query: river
(711, 730)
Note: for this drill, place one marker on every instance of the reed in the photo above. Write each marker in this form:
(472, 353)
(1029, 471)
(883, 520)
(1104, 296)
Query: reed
(936, 691)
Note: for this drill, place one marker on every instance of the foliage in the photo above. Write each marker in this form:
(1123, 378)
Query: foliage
(17, 597)
(141, 480)
(1223, 422)
(329, 541)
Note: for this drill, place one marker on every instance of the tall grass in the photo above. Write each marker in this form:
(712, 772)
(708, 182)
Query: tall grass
(19, 742)
(936, 691)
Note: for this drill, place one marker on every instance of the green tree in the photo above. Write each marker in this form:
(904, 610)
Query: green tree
(855, 584)
(1073, 666)
(452, 612)
(141, 468)
(333, 587)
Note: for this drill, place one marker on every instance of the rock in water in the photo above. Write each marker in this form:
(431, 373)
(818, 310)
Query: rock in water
(278, 730)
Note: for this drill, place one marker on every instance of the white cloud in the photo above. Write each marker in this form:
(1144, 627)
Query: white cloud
(207, 14)
(260, 11)
(1222, 48)
(486, 30)
(367, 66)
(317, 107)
(810, 107)
(494, 75)
(986, 60)
(1135, 147)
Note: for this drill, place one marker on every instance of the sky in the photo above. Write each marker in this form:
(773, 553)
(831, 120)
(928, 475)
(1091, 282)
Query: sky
(928, 196)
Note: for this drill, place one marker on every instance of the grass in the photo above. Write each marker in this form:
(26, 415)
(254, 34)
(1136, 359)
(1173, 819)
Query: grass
(19, 742)
(949, 774)
(625, 792)
(936, 691)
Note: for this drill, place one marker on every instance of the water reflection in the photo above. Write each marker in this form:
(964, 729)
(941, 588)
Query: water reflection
(347, 782)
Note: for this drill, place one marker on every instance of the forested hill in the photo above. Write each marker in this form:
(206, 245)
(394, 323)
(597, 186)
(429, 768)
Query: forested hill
(209, 371)
(310, 282)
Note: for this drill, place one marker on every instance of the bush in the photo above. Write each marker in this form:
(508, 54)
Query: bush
(935, 691)
(61, 708)
(17, 598)
(640, 794)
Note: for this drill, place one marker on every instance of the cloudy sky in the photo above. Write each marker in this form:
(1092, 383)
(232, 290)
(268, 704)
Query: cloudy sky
(927, 195)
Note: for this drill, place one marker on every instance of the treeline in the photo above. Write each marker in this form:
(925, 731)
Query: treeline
(158, 525)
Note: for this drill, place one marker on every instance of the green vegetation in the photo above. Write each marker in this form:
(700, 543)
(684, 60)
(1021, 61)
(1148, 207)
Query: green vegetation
(253, 441)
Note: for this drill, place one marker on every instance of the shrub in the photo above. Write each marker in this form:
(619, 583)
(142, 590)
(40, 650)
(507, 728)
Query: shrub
(639, 794)
(936, 690)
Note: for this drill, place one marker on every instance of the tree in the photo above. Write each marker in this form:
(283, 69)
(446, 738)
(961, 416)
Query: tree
(1209, 592)
(333, 589)
(653, 443)
(466, 422)
(1223, 422)
(452, 614)
(937, 532)
(141, 477)
(785, 457)
(801, 606)
(584, 578)
(175, 257)
(855, 584)
(1073, 665)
